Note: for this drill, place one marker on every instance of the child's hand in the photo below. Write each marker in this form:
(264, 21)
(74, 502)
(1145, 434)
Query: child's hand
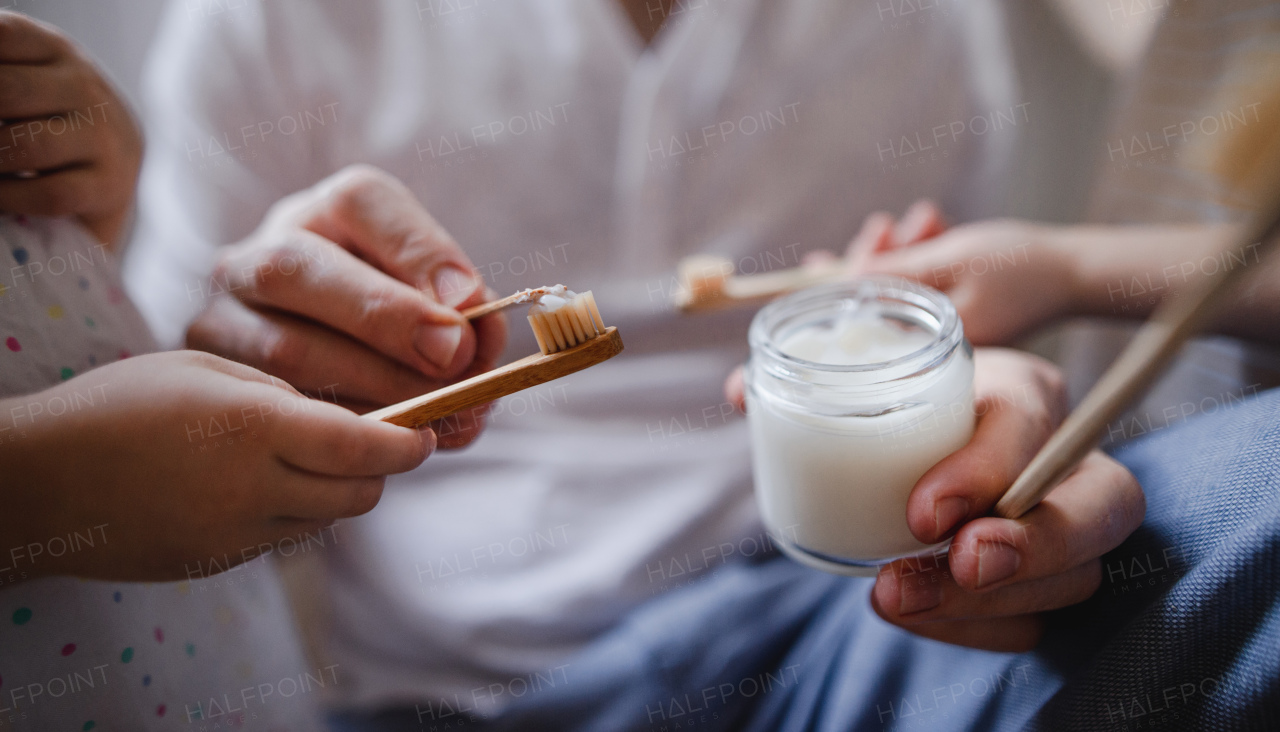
(185, 458)
(68, 144)
(1006, 277)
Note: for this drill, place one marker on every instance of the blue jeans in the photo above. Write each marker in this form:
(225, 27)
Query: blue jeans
(1183, 634)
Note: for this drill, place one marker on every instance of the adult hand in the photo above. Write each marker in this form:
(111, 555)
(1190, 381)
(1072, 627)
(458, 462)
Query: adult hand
(1001, 574)
(351, 287)
(188, 463)
(68, 144)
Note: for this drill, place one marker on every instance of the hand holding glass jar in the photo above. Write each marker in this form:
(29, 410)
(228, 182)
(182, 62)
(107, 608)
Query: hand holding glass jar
(853, 391)
(998, 575)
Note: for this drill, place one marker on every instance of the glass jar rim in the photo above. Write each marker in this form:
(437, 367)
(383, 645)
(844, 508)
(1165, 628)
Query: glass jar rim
(948, 330)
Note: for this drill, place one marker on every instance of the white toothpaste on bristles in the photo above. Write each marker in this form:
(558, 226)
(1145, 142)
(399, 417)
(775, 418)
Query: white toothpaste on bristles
(562, 318)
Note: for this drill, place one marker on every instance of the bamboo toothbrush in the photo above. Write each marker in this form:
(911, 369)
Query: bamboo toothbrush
(1138, 365)
(571, 337)
(707, 282)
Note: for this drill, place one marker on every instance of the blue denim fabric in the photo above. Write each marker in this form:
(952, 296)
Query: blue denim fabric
(1184, 633)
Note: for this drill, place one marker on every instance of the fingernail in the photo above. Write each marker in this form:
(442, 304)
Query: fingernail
(996, 562)
(918, 594)
(947, 514)
(428, 437)
(452, 284)
(438, 343)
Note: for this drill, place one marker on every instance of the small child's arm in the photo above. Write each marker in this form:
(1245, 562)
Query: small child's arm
(172, 459)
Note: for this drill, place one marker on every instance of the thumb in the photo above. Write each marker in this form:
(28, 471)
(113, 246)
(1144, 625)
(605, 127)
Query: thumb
(233, 369)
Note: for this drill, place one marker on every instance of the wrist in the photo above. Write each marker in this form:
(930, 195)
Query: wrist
(1067, 272)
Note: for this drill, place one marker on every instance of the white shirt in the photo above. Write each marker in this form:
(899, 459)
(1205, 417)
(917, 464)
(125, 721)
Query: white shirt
(556, 150)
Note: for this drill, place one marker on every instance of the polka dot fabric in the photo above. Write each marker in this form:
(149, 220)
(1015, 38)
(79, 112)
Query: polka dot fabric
(85, 655)
(56, 315)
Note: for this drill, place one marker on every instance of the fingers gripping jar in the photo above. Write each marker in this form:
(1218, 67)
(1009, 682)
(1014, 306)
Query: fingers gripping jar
(854, 390)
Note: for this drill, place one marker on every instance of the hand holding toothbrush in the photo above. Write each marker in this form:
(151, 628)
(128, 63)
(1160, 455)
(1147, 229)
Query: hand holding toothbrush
(352, 282)
(180, 465)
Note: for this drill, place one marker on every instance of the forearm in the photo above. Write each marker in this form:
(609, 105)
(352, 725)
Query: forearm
(1128, 271)
(30, 516)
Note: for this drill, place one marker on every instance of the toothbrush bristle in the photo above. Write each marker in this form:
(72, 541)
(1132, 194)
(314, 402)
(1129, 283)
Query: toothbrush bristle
(704, 275)
(577, 321)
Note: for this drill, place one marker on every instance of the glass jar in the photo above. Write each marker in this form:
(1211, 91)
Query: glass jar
(838, 444)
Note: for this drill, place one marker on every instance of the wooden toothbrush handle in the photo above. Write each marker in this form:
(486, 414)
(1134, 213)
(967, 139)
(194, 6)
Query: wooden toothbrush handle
(1248, 163)
(780, 282)
(502, 381)
(752, 289)
(1138, 365)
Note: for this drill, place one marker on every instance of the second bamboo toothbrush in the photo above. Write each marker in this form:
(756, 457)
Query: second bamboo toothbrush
(708, 282)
